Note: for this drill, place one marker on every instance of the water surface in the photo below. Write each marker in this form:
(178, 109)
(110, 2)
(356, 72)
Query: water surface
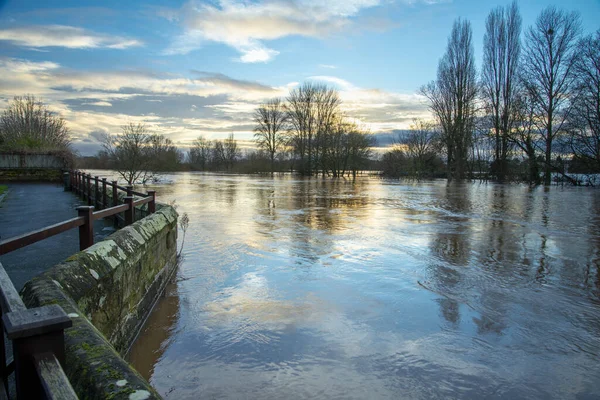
(308, 288)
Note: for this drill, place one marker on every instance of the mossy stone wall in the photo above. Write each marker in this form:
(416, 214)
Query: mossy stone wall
(109, 290)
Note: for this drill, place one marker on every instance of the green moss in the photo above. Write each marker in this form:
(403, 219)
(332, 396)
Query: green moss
(92, 351)
(3, 189)
(110, 372)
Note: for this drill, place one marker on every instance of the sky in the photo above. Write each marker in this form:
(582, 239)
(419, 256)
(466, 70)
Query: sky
(191, 68)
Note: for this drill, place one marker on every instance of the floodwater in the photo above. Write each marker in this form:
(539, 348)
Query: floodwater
(307, 288)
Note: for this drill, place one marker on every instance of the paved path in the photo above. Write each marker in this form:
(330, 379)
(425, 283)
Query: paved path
(30, 206)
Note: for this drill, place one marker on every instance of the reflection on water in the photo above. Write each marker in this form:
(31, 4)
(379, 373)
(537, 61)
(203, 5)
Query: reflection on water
(311, 288)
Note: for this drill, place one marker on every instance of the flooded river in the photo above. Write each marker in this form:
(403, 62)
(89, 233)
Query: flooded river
(297, 288)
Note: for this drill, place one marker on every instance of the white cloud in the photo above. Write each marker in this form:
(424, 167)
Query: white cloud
(99, 103)
(244, 26)
(327, 66)
(256, 52)
(39, 36)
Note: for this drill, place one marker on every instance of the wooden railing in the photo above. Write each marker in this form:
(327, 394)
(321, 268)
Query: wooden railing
(95, 191)
(38, 347)
(37, 334)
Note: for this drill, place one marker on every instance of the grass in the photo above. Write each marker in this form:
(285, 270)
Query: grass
(3, 189)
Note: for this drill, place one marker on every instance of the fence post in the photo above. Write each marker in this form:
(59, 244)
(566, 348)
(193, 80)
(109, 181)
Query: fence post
(86, 231)
(76, 179)
(89, 189)
(130, 213)
(33, 332)
(115, 196)
(129, 190)
(96, 193)
(79, 183)
(152, 204)
(104, 196)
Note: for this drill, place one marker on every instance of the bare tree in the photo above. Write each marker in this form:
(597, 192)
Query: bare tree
(584, 141)
(28, 124)
(452, 97)
(300, 110)
(218, 156)
(327, 115)
(360, 142)
(231, 151)
(335, 147)
(271, 128)
(129, 152)
(525, 134)
(164, 155)
(549, 73)
(421, 144)
(200, 153)
(501, 52)
(311, 111)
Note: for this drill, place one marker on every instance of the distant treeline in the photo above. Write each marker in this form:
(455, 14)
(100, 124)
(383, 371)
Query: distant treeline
(208, 155)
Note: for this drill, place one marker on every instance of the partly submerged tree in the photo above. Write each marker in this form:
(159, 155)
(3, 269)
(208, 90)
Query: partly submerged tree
(499, 79)
(584, 138)
(312, 110)
(270, 130)
(452, 97)
(164, 155)
(422, 145)
(28, 124)
(129, 153)
(232, 151)
(549, 74)
(199, 155)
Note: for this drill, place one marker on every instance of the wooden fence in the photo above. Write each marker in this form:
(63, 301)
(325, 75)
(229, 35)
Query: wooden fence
(95, 191)
(37, 334)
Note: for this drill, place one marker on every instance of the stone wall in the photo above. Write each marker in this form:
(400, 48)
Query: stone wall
(108, 290)
(31, 167)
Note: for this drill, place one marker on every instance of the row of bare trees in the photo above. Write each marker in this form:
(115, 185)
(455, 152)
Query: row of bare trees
(311, 126)
(211, 155)
(538, 100)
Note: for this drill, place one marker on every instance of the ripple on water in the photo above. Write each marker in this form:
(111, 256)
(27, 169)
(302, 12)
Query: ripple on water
(295, 288)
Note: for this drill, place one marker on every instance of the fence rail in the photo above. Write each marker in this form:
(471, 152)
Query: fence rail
(37, 334)
(97, 193)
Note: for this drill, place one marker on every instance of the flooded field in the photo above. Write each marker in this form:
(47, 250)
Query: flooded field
(297, 288)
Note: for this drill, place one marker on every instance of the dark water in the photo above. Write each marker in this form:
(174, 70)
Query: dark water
(32, 206)
(298, 289)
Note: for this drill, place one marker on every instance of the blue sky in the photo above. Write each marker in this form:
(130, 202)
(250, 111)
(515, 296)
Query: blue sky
(190, 68)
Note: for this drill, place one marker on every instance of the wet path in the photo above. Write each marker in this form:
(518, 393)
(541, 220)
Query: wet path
(30, 206)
